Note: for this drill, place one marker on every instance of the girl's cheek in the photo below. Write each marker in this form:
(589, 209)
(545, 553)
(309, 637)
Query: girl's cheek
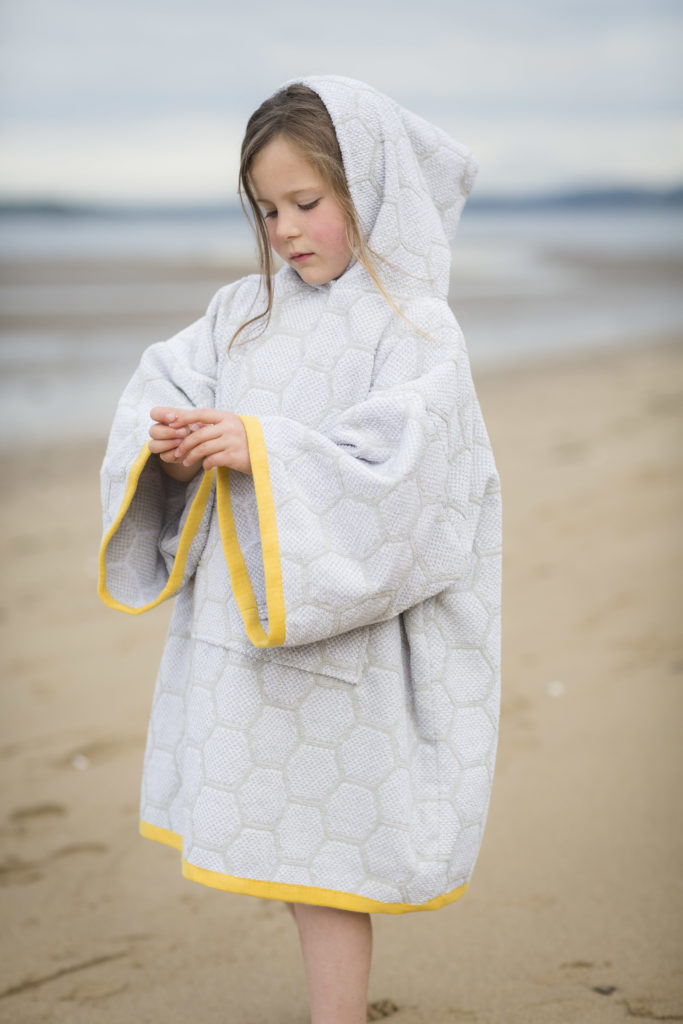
(331, 233)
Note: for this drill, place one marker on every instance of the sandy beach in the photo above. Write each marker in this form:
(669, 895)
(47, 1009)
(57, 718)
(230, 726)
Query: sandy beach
(575, 911)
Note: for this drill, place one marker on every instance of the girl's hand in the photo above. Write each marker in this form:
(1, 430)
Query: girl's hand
(200, 437)
(164, 441)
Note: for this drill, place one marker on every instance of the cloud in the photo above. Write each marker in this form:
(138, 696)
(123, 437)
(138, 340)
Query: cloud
(162, 159)
(539, 154)
(152, 98)
(182, 158)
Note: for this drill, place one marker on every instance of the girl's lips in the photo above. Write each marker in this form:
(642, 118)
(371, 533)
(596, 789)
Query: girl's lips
(299, 256)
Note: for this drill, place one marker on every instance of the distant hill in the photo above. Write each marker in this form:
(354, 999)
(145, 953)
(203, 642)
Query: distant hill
(578, 199)
(583, 198)
(72, 208)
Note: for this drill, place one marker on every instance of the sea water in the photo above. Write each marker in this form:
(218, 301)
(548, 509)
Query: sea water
(525, 283)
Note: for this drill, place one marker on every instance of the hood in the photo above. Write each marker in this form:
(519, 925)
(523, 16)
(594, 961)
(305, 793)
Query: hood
(408, 180)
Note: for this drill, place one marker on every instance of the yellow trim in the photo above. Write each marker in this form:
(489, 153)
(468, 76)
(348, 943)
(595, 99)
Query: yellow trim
(270, 546)
(285, 891)
(161, 835)
(186, 537)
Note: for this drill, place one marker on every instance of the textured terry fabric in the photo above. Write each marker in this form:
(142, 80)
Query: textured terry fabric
(349, 747)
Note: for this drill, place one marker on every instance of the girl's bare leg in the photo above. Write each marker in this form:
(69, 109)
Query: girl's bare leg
(337, 950)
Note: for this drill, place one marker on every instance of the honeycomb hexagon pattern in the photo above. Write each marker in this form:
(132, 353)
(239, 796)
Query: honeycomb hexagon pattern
(325, 717)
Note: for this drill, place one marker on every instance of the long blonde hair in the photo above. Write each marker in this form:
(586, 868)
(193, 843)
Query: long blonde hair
(299, 114)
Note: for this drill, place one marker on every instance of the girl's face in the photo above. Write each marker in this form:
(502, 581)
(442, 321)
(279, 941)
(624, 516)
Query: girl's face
(306, 224)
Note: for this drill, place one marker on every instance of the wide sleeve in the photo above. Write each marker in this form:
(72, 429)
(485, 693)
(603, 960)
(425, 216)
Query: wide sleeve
(154, 528)
(365, 520)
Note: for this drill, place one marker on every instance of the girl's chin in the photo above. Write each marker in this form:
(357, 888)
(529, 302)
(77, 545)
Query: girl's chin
(318, 276)
(310, 276)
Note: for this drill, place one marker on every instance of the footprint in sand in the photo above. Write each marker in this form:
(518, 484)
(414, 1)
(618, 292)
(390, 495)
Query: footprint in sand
(72, 848)
(45, 810)
(20, 821)
(382, 1008)
(573, 965)
(654, 1009)
(16, 871)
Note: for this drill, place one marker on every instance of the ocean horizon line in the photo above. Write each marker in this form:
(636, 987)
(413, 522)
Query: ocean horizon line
(585, 197)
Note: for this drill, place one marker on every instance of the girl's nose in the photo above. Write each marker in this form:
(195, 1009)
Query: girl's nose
(287, 225)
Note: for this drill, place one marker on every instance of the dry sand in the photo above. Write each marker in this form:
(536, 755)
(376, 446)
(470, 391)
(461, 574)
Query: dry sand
(575, 911)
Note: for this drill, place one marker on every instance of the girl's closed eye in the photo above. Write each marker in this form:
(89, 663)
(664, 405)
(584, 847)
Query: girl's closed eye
(302, 206)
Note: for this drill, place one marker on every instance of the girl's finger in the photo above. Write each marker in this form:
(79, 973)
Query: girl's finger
(157, 447)
(168, 457)
(163, 413)
(201, 451)
(184, 417)
(197, 437)
(162, 433)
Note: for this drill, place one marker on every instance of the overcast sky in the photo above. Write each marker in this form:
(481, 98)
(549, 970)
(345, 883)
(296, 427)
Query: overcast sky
(133, 99)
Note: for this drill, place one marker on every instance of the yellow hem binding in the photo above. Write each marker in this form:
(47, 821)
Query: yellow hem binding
(287, 892)
(270, 546)
(192, 522)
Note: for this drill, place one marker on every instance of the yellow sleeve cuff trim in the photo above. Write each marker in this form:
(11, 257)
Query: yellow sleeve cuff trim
(192, 522)
(270, 547)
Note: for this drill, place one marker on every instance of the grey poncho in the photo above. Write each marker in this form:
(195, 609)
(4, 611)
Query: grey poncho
(325, 717)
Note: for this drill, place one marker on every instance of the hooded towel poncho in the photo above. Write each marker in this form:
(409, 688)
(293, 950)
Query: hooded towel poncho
(325, 717)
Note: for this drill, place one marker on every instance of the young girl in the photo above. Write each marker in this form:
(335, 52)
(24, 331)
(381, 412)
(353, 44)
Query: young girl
(318, 489)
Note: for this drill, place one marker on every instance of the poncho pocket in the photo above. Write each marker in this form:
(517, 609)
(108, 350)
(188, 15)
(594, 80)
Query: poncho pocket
(343, 656)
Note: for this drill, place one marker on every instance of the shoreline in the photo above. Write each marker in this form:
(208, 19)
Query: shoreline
(40, 432)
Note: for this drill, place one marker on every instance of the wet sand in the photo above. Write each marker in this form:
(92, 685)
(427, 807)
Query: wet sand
(575, 911)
